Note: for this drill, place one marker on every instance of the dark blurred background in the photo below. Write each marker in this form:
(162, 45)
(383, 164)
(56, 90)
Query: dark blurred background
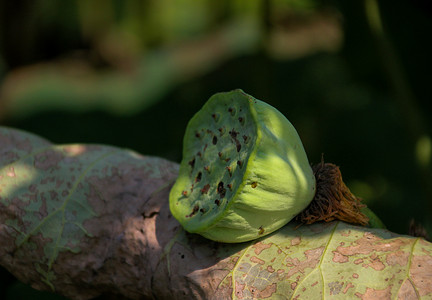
(352, 76)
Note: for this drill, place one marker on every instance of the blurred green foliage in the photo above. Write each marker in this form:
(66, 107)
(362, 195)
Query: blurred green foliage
(352, 77)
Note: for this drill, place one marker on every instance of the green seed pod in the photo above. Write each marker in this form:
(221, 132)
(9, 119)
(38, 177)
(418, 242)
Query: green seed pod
(244, 172)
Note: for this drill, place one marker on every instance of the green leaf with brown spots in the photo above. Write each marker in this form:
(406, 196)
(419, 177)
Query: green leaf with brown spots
(89, 221)
(331, 261)
(54, 198)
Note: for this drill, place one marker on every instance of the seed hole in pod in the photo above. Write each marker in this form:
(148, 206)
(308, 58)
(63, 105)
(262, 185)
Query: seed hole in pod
(220, 187)
(232, 111)
(205, 189)
(192, 162)
(217, 202)
(241, 120)
(233, 133)
(194, 211)
(254, 184)
(239, 163)
(198, 177)
(214, 140)
(229, 171)
(238, 146)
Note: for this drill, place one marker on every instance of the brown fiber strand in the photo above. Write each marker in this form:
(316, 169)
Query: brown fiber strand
(333, 199)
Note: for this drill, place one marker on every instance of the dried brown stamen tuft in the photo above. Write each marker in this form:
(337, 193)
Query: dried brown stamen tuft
(333, 200)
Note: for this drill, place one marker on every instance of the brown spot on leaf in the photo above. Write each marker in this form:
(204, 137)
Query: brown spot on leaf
(348, 286)
(370, 243)
(265, 293)
(345, 233)
(217, 202)
(295, 265)
(339, 258)
(47, 159)
(372, 294)
(270, 269)
(376, 263)
(420, 271)
(296, 241)
(256, 260)
(398, 257)
(239, 288)
(260, 247)
(254, 184)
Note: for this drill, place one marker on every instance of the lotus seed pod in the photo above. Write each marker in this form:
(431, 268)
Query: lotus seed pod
(244, 172)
